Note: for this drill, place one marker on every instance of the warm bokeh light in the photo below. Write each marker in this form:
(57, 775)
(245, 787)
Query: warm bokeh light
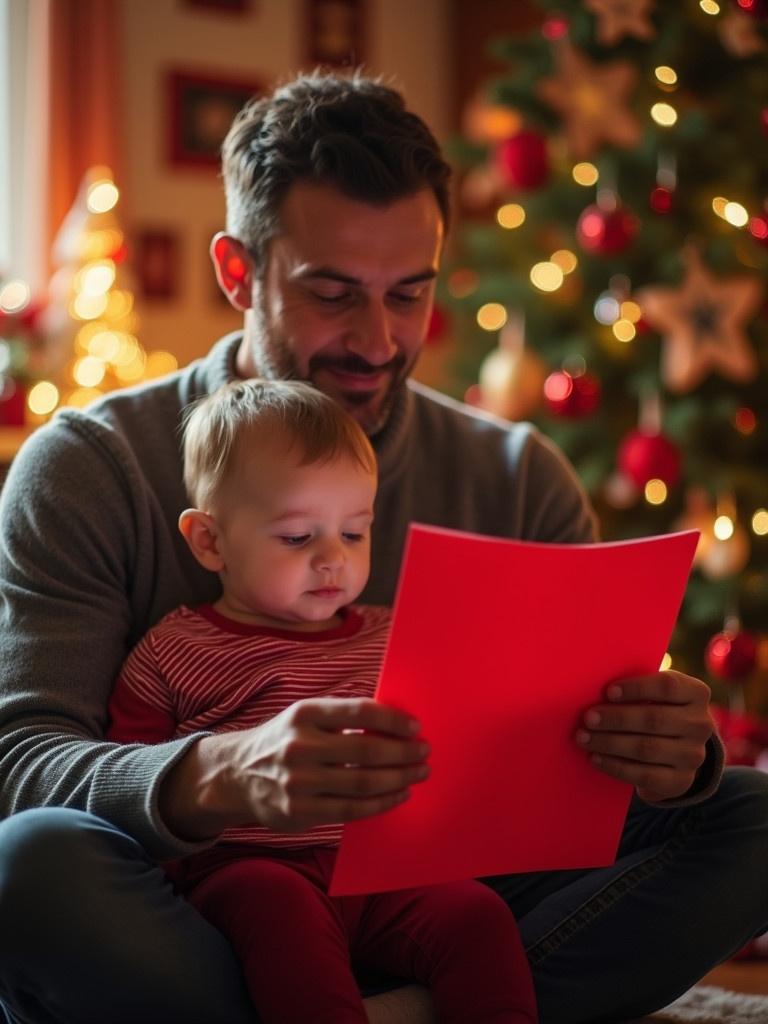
(719, 204)
(723, 528)
(566, 260)
(624, 330)
(104, 345)
(492, 316)
(129, 373)
(736, 215)
(88, 371)
(666, 662)
(88, 307)
(102, 196)
(664, 114)
(96, 278)
(631, 311)
(81, 397)
(119, 304)
(709, 6)
(546, 276)
(585, 174)
(666, 75)
(43, 398)
(14, 296)
(655, 492)
(159, 363)
(760, 522)
(510, 215)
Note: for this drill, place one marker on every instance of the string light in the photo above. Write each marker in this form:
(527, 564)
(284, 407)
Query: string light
(631, 311)
(510, 215)
(760, 522)
(546, 276)
(736, 215)
(492, 316)
(566, 260)
(666, 662)
(624, 330)
(718, 205)
(723, 528)
(655, 492)
(102, 196)
(664, 114)
(666, 75)
(744, 420)
(709, 6)
(43, 398)
(89, 371)
(14, 296)
(585, 173)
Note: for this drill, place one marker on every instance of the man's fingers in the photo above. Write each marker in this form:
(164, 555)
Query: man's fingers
(652, 719)
(668, 687)
(652, 782)
(362, 783)
(328, 810)
(644, 750)
(355, 713)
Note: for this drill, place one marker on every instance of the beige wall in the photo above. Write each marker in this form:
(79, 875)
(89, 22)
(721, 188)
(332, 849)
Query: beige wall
(407, 39)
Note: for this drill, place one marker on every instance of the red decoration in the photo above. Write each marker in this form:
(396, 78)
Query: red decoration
(661, 199)
(744, 736)
(758, 228)
(731, 655)
(555, 27)
(571, 397)
(438, 324)
(12, 403)
(606, 232)
(764, 119)
(522, 160)
(645, 456)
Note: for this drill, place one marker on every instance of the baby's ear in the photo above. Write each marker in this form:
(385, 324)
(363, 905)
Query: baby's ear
(201, 533)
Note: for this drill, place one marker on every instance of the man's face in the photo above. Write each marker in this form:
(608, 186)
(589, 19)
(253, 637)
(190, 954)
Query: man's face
(345, 298)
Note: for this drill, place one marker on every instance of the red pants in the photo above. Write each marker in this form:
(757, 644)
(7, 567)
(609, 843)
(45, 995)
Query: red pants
(298, 946)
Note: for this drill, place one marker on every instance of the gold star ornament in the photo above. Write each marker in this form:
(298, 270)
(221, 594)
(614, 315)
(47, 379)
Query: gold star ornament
(592, 101)
(619, 18)
(702, 323)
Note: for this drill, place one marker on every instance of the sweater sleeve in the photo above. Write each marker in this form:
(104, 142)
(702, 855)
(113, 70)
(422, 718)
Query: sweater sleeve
(68, 533)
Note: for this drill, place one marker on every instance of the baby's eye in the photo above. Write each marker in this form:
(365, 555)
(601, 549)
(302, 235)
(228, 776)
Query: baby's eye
(294, 540)
(353, 537)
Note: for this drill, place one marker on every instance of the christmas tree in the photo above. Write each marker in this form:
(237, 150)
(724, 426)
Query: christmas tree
(608, 283)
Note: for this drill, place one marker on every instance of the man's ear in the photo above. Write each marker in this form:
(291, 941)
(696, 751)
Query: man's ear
(234, 269)
(201, 533)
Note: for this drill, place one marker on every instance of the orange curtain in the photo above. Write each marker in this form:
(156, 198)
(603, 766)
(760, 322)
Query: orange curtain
(84, 108)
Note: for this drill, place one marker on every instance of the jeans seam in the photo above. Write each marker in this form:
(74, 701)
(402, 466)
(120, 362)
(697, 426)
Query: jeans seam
(611, 893)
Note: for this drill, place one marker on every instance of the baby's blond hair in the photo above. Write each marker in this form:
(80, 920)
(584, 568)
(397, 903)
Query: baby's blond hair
(291, 410)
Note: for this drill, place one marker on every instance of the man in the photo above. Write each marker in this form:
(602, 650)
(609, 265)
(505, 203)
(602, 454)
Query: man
(337, 209)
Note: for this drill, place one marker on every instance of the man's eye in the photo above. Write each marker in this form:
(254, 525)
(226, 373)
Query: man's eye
(331, 299)
(404, 298)
(294, 540)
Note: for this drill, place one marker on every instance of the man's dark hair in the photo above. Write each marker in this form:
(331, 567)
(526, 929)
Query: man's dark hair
(353, 133)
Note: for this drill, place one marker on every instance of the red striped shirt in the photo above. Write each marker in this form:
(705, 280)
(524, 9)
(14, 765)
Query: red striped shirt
(197, 671)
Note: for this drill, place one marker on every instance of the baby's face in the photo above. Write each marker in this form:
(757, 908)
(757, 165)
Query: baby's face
(295, 539)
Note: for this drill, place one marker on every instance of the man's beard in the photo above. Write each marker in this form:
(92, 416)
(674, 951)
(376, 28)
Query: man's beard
(276, 361)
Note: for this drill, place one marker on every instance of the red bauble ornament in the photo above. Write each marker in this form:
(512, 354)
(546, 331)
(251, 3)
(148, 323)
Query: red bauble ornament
(645, 456)
(731, 655)
(522, 160)
(606, 232)
(661, 199)
(758, 228)
(571, 397)
(13, 403)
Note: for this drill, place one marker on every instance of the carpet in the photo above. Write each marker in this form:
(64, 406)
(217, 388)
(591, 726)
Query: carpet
(706, 1004)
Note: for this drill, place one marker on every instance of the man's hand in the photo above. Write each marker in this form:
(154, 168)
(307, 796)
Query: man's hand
(320, 761)
(651, 732)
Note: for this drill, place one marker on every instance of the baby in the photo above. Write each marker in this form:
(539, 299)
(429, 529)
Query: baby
(283, 484)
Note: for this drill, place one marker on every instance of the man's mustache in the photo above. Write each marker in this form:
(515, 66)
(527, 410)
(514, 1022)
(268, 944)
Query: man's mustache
(354, 364)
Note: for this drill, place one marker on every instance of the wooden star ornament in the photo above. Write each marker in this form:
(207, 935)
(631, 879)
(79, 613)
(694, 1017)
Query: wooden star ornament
(702, 324)
(592, 101)
(619, 18)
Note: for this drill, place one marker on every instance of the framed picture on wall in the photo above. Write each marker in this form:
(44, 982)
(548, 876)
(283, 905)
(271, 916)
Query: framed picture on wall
(335, 32)
(200, 110)
(156, 264)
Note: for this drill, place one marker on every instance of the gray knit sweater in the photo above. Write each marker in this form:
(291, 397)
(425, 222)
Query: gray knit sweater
(90, 558)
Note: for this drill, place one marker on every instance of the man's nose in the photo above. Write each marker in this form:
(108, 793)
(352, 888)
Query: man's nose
(371, 335)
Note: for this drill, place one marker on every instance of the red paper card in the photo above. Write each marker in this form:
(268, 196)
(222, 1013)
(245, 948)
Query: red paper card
(497, 648)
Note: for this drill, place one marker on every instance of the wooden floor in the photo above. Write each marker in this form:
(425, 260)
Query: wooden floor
(740, 976)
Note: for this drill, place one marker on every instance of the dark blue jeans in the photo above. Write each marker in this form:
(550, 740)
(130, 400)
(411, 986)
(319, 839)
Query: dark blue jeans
(91, 931)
